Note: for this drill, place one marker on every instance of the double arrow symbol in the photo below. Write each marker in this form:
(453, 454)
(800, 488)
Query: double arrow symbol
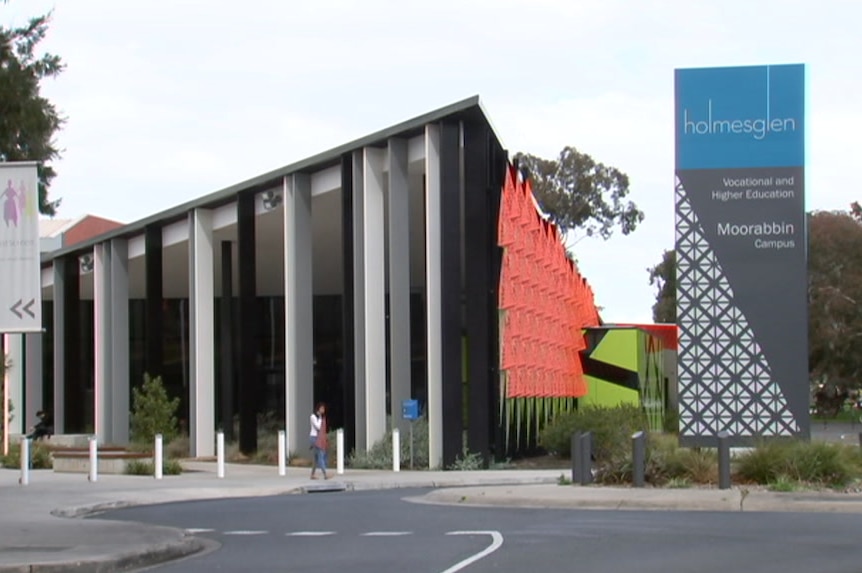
(14, 308)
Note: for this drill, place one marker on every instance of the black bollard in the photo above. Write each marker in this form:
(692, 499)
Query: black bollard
(576, 457)
(723, 461)
(586, 458)
(638, 459)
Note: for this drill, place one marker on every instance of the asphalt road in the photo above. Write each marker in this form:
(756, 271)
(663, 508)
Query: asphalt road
(367, 532)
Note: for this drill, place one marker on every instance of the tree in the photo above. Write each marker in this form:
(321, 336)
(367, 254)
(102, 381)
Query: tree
(153, 412)
(576, 192)
(835, 296)
(663, 277)
(28, 121)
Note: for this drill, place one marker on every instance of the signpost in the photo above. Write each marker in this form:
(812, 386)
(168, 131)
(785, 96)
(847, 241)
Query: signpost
(410, 411)
(20, 279)
(20, 273)
(741, 253)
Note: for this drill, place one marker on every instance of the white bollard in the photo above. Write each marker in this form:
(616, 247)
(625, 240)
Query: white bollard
(94, 459)
(339, 451)
(220, 454)
(25, 461)
(282, 446)
(157, 457)
(396, 450)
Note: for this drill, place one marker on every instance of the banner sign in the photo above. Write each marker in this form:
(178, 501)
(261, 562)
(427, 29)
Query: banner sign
(741, 244)
(20, 273)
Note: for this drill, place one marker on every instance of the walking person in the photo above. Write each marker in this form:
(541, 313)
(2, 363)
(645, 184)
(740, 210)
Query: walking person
(318, 440)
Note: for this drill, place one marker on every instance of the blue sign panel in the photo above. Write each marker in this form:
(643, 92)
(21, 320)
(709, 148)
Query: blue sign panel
(741, 253)
(740, 117)
(410, 409)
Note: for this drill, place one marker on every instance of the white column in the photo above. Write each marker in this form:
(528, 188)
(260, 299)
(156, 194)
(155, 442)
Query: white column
(399, 280)
(119, 377)
(14, 346)
(433, 296)
(103, 403)
(59, 327)
(373, 259)
(33, 377)
(201, 329)
(359, 301)
(298, 310)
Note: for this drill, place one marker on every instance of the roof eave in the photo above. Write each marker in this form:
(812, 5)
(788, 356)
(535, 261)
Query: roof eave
(271, 178)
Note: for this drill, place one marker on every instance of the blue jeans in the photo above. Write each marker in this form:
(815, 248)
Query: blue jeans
(319, 455)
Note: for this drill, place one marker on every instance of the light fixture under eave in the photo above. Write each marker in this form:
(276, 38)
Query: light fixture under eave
(86, 263)
(271, 200)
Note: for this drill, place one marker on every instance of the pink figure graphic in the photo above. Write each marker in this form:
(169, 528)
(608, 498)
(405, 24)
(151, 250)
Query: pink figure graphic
(28, 206)
(10, 208)
(22, 200)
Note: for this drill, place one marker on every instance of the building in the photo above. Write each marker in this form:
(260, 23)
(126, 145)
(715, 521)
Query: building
(632, 364)
(361, 277)
(58, 233)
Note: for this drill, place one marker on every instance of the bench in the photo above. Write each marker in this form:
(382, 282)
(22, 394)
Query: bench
(111, 460)
(59, 440)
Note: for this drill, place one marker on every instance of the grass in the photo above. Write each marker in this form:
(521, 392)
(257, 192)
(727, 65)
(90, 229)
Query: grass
(783, 483)
(678, 483)
(844, 416)
(818, 463)
(666, 462)
(142, 468)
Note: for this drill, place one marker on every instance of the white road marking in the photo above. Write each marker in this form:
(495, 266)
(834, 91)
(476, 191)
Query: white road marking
(310, 533)
(386, 533)
(199, 530)
(246, 532)
(496, 543)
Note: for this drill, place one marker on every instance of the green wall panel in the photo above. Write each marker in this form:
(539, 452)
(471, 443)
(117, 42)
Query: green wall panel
(608, 394)
(620, 348)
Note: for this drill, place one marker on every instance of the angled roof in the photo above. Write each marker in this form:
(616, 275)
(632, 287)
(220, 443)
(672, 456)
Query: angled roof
(50, 228)
(467, 109)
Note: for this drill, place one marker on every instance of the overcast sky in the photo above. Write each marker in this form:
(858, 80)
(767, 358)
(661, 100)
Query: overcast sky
(170, 100)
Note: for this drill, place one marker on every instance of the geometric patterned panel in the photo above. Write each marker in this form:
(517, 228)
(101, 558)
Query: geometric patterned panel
(725, 382)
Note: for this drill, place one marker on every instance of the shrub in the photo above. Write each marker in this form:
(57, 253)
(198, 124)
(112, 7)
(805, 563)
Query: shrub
(814, 462)
(612, 430)
(153, 412)
(142, 468)
(40, 456)
(666, 461)
(178, 448)
(268, 423)
(467, 462)
(506, 464)
(670, 422)
(379, 457)
(268, 427)
(267, 448)
(762, 464)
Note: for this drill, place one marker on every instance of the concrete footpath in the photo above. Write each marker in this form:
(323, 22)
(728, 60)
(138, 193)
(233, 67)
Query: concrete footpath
(41, 527)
